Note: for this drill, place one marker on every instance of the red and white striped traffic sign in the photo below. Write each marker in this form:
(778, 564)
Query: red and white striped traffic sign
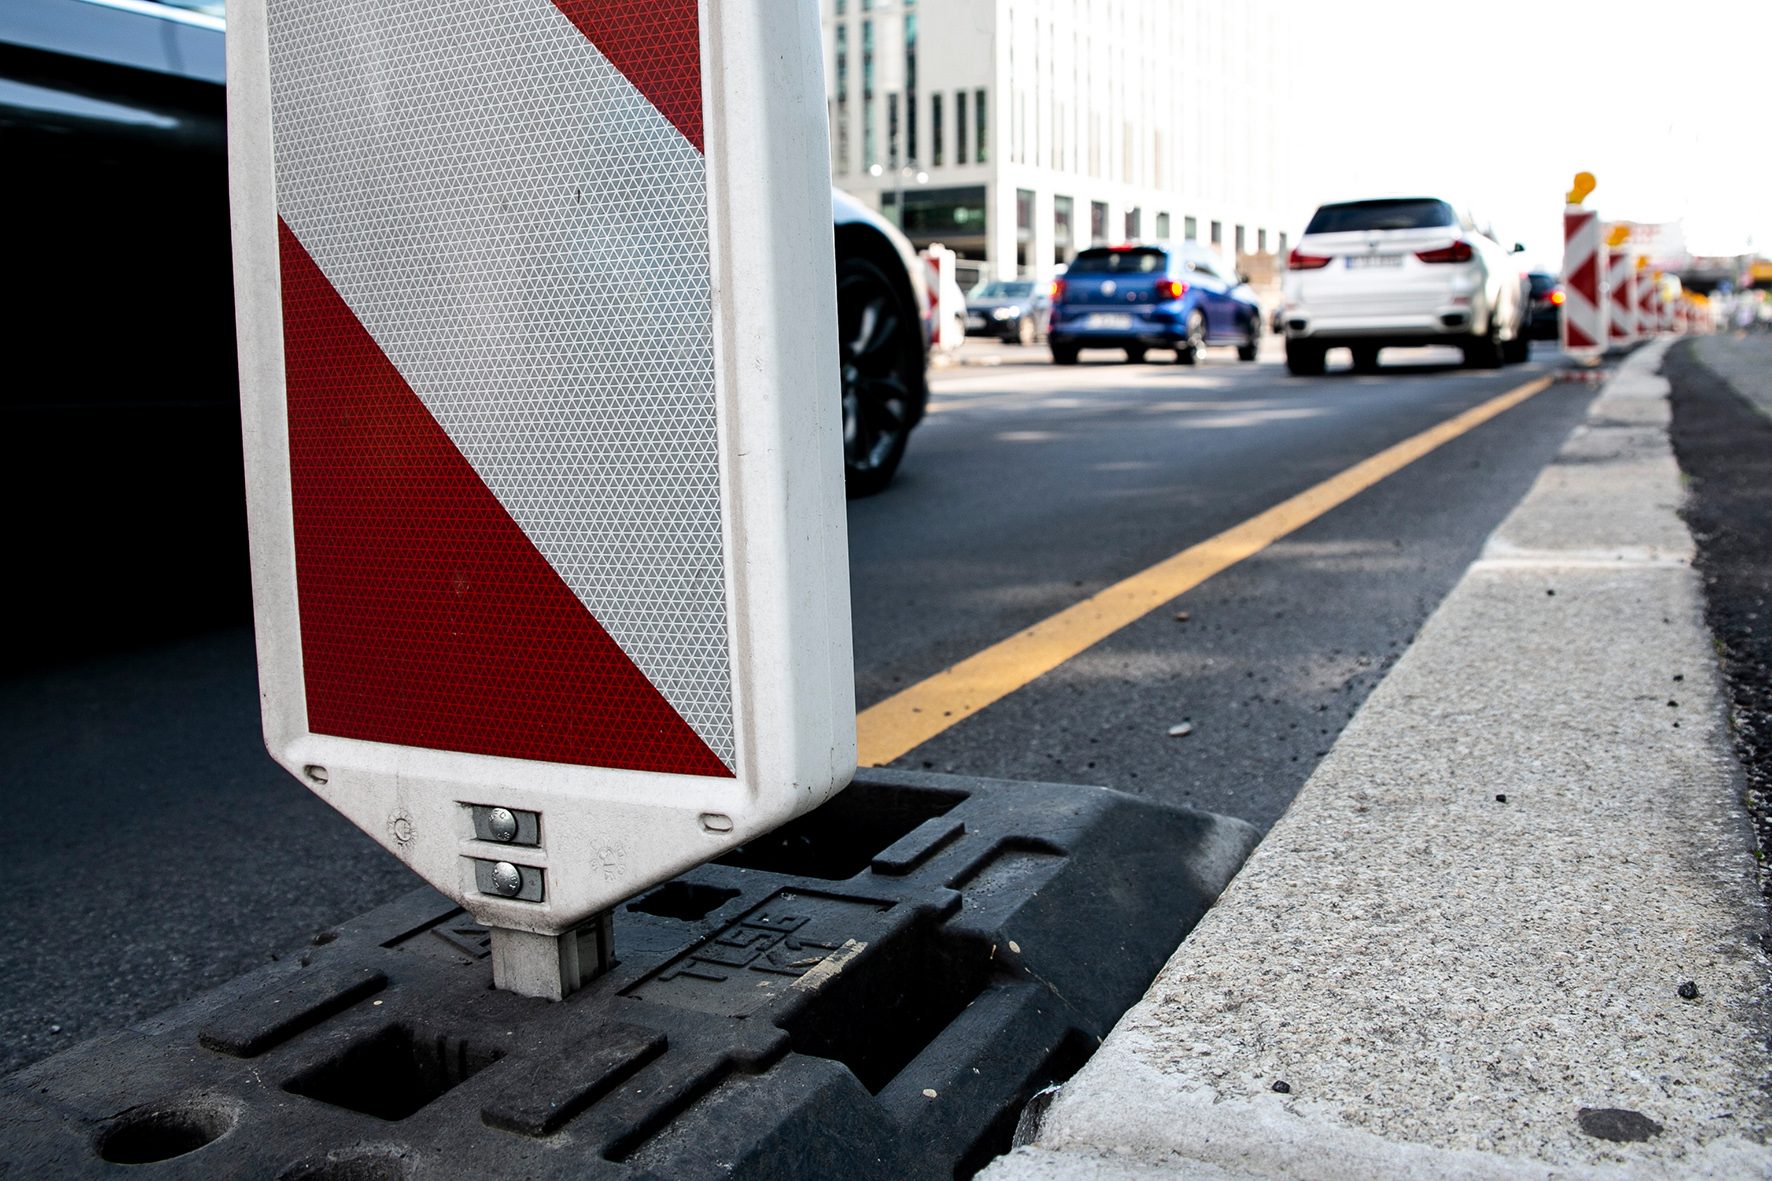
(1648, 305)
(539, 371)
(1621, 297)
(1584, 263)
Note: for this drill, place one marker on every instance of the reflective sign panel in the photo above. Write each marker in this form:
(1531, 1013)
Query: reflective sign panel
(535, 466)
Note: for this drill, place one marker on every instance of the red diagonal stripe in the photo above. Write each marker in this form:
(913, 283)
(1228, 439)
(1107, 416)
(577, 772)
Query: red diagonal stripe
(656, 44)
(1575, 337)
(428, 618)
(1586, 278)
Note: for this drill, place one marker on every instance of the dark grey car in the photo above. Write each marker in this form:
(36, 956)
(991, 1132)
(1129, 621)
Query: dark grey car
(1012, 310)
(121, 416)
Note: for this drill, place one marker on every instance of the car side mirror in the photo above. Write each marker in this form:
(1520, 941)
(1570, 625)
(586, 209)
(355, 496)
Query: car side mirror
(1241, 277)
(1519, 248)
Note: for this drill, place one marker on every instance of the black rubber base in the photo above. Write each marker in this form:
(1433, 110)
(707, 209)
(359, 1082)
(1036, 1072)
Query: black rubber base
(873, 991)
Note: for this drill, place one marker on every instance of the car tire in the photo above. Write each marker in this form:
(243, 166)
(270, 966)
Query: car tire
(1365, 358)
(1064, 354)
(1305, 360)
(1251, 350)
(1518, 350)
(1188, 353)
(880, 359)
(1135, 355)
(1484, 352)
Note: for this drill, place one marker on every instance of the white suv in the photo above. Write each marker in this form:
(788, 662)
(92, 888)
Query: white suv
(1401, 271)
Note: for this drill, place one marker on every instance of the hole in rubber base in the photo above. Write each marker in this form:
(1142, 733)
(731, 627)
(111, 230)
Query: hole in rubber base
(394, 1073)
(686, 901)
(149, 1135)
(838, 839)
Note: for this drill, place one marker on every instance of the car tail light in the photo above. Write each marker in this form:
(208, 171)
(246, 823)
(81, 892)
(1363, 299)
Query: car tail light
(1170, 289)
(1058, 291)
(1557, 297)
(1459, 251)
(1299, 261)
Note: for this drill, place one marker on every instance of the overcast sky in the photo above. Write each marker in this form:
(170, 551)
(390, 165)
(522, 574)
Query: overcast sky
(1499, 103)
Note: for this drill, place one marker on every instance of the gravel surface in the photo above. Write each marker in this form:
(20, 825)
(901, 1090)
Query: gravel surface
(1723, 440)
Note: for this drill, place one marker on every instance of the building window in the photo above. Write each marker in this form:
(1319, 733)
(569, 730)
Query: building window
(910, 86)
(1063, 228)
(1242, 240)
(980, 123)
(955, 216)
(1261, 241)
(1098, 223)
(1162, 226)
(960, 127)
(842, 118)
(892, 156)
(1134, 224)
(1218, 233)
(870, 148)
(935, 145)
(1283, 244)
(1024, 228)
(1191, 228)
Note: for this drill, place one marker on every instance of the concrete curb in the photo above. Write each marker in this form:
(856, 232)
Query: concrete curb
(1464, 944)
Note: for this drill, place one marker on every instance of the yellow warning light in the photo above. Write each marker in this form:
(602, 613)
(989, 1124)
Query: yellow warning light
(1642, 262)
(1584, 184)
(1619, 235)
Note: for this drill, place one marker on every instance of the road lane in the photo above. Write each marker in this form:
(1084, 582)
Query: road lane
(1018, 501)
(162, 852)
(912, 716)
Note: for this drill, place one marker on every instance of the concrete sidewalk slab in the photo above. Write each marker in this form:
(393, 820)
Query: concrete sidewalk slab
(1461, 951)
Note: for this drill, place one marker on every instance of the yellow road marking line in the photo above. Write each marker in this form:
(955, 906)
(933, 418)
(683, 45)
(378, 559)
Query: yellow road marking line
(914, 715)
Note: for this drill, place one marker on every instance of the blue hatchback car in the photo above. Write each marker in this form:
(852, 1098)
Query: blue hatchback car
(1152, 296)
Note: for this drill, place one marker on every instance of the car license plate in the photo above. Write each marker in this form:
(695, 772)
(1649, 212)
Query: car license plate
(1360, 261)
(1108, 320)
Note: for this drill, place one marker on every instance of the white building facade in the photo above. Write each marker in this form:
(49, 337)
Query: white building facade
(1018, 132)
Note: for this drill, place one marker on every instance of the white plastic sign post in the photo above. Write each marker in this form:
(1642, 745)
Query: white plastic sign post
(539, 375)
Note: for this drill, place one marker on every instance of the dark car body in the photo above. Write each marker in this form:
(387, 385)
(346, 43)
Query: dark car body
(121, 415)
(1156, 295)
(1545, 309)
(1012, 310)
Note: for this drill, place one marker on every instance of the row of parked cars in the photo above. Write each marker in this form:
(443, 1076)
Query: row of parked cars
(1366, 275)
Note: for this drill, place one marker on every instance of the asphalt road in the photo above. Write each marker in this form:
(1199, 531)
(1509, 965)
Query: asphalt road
(157, 850)
(1031, 487)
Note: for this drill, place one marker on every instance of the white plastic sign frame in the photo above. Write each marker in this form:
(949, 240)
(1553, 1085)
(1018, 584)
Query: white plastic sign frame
(401, 281)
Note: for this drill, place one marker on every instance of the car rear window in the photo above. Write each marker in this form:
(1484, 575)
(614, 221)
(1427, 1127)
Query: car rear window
(1541, 282)
(1138, 260)
(1405, 213)
(1002, 290)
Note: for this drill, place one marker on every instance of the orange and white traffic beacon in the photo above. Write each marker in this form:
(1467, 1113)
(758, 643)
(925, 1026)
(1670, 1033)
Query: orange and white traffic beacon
(539, 375)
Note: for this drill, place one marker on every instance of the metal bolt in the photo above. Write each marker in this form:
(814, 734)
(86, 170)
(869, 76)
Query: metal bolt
(502, 823)
(507, 879)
